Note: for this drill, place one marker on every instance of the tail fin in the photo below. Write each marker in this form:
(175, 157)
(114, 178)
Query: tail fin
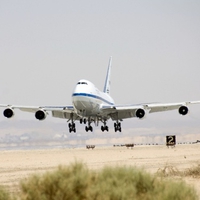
(107, 81)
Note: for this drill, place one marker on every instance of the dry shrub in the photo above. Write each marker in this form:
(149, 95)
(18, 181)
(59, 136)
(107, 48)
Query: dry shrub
(168, 170)
(193, 171)
(72, 182)
(76, 181)
(4, 195)
(122, 183)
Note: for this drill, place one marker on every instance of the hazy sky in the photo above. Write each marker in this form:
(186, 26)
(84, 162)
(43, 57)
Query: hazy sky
(47, 46)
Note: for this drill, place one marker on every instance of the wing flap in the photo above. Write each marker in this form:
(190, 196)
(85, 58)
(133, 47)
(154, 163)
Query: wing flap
(64, 114)
(121, 112)
(163, 107)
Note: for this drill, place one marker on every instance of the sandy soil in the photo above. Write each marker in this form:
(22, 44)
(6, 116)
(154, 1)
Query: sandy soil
(19, 164)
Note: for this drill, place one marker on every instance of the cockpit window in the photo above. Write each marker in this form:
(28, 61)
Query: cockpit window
(81, 83)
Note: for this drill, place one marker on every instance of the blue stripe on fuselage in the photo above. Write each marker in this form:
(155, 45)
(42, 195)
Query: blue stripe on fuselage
(92, 96)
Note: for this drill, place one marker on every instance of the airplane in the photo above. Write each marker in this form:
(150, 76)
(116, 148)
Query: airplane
(90, 105)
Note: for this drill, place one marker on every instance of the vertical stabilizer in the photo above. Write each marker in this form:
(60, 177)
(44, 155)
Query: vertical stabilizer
(107, 81)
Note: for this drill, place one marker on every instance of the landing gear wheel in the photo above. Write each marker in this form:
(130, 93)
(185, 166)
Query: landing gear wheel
(104, 127)
(117, 127)
(90, 128)
(72, 127)
(84, 121)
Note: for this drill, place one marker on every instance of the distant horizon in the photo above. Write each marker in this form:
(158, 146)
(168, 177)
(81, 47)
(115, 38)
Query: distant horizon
(20, 133)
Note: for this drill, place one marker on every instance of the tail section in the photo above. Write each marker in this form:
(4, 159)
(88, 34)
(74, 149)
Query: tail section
(107, 81)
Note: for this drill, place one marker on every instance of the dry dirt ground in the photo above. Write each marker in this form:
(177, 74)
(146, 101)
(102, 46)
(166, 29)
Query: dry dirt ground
(19, 164)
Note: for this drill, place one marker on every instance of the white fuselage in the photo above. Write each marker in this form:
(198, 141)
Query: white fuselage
(88, 100)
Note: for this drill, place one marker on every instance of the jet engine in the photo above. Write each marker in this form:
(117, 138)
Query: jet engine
(183, 110)
(140, 113)
(8, 112)
(40, 115)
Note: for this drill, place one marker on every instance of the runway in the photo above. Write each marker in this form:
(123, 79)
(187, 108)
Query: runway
(19, 164)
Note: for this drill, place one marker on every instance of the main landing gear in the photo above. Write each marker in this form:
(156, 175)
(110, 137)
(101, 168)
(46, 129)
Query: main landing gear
(104, 127)
(89, 127)
(72, 127)
(117, 127)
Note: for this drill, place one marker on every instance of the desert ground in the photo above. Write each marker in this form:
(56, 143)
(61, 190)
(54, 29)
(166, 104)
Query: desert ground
(16, 165)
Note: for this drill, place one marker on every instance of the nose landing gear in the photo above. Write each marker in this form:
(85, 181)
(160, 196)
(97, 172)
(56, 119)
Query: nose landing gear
(83, 121)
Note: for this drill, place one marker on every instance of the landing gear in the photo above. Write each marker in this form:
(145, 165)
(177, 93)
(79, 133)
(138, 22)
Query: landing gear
(89, 127)
(117, 126)
(83, 121)
(72, 127)
(104, 127)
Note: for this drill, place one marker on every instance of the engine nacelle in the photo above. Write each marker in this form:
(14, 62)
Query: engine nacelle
(183, 110)
(140, 113)
(8, 112)
(40, 115)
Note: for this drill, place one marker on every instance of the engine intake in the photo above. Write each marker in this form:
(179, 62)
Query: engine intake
(8, 112)
(140, 113)
(183, 110)
(40, 115)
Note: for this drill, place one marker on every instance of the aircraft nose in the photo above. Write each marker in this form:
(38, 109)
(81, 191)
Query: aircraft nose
(77, 88)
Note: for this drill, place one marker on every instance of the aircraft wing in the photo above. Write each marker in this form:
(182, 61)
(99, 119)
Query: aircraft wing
(65, 112)
(119, 112)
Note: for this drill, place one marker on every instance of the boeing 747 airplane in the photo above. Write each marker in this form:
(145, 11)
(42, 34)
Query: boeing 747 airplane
(89, 105)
